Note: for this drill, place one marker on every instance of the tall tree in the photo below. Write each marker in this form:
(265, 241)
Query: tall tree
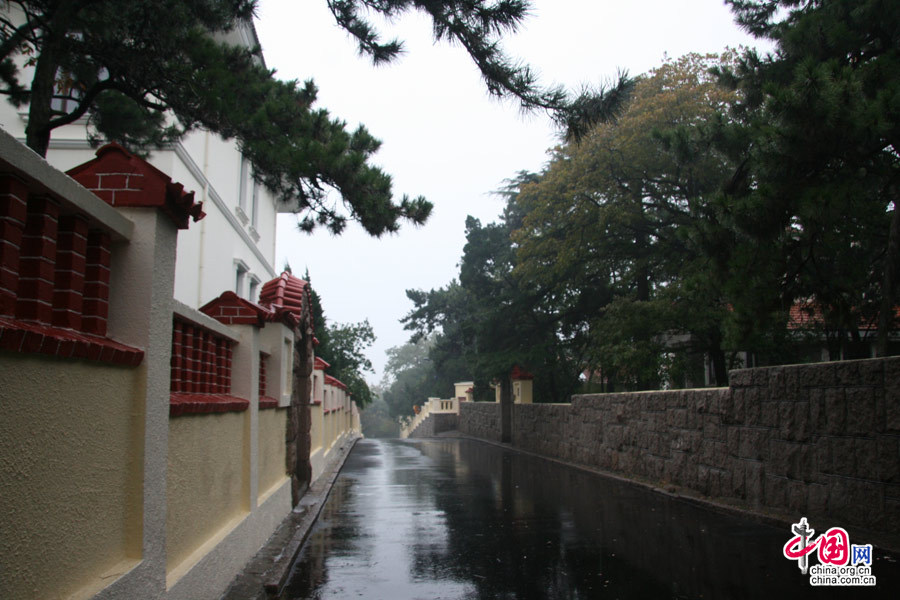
(411, 376)
(345, 352)
(343, 346)
(621, 231)
(126, 66)
(819, 170)
(492, 321)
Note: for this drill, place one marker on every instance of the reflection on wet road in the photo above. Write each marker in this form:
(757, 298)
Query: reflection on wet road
(450, 518)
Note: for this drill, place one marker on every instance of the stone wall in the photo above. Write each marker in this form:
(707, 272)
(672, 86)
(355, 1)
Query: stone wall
(804, 440)
(480, 419)
(435, 424)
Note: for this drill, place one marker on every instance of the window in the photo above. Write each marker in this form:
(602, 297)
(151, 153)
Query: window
(240, 276)
(254, 288)
(242, 184)
(254, 204)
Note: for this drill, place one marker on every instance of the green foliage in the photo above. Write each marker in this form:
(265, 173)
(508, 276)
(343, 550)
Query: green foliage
(343, 346)
(411, 375)
(818, 143)
(129, 66)
(491, 322)
(377, 421)
(345, 352)
(622, 233)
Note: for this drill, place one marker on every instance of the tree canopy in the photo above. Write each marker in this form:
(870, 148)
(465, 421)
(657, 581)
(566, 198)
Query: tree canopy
(143, 73)
(343, 346)
(817, 131)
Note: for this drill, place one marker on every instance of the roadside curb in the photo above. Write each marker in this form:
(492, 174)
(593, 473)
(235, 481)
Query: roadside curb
(265, 575)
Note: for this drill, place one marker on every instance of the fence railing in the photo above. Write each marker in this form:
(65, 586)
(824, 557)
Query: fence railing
(431, 407)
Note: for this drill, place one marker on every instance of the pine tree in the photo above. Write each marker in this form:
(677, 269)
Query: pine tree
(819, 138)
(128, 66)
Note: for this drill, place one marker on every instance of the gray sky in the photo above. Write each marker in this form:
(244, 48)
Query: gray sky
(444, 138)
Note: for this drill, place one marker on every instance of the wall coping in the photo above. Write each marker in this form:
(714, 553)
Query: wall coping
(198, 318)
(25, 163)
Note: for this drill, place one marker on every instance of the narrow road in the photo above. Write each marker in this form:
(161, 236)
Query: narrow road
(457, 518)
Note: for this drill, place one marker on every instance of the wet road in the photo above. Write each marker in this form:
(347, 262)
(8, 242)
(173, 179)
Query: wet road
(450, 518)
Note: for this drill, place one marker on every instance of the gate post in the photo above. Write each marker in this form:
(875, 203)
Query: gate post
(505, 410)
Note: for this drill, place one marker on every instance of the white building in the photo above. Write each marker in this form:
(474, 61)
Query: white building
(233, 247)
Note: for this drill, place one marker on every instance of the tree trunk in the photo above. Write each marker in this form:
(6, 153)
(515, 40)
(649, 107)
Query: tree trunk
(37, 132)
(717, 355)
(505, 410)
(891, 264)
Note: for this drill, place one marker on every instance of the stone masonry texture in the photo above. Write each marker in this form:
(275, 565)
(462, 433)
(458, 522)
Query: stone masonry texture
(819, 440)
(435, 424)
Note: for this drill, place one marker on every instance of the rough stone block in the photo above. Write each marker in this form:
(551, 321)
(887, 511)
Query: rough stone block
(703, 476)
(752, 443)
(892, 408)
(871, 372)
(760, 377)
(797, 500)
(843, 456)
(677, 417)
(738, 407)
(776, 492)
(890, 520)
(817, 375)
(712, 428)
(860, 411)
(739, 377)
(768, 414)
(816, 413)
(752, 406)
(753, 481)
(777, 458)
(835, 411)
(737, 483)
(822, 454)
(726, 407)
(733, 440)
(866, 458)
(817, 498)
(800, 462)
(888, 458)
(794, 421)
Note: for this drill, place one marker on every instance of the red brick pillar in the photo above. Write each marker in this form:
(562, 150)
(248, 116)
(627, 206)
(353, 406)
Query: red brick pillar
(13, 201)
(68, 289)
(36, 266)
(95, 306)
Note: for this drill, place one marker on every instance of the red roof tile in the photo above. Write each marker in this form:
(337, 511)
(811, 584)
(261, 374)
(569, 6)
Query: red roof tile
(320, 365)
(121, 178)
(519, 374)
(329, 380)
(287, 293)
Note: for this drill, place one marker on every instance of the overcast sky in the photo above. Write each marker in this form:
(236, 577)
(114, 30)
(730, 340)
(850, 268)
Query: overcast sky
(444, 138)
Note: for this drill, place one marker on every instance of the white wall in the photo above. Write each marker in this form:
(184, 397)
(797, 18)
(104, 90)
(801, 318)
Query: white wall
(208, 166)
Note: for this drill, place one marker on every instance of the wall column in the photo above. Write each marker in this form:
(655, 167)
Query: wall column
(140, 314)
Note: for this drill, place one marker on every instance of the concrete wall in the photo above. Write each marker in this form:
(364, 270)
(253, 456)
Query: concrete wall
(272, 474)
(105, 494)
(208, 485)
(803, 440)
(70, 471)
